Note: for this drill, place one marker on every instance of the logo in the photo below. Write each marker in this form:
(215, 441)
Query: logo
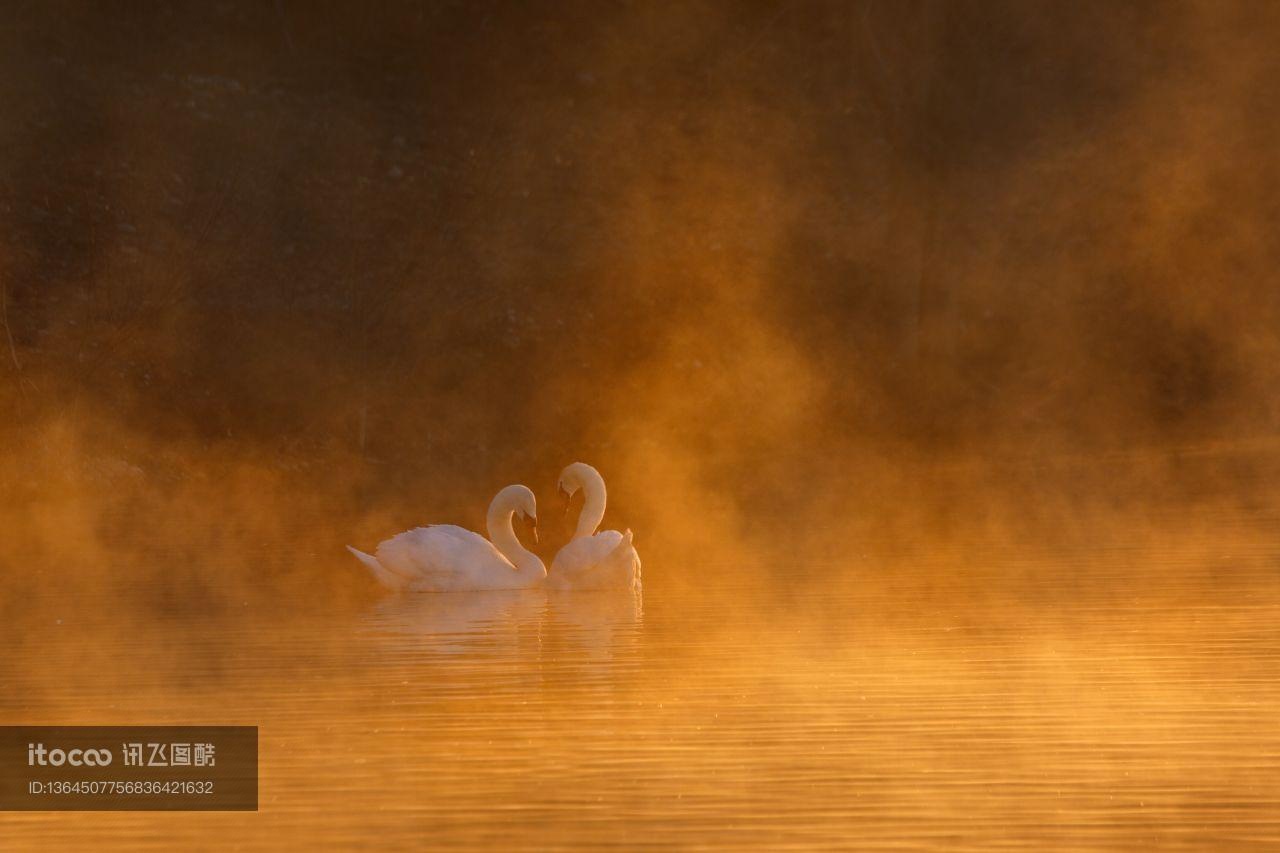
(37, 754)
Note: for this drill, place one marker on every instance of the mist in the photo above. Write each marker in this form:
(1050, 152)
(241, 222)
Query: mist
(840, 292)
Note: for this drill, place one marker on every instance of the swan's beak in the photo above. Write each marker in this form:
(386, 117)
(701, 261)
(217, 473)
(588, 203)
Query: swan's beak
(564, 494)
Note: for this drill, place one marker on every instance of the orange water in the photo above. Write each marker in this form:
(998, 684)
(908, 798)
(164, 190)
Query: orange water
(1068, 715)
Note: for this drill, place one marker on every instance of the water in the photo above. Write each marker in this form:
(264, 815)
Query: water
(1076, 714)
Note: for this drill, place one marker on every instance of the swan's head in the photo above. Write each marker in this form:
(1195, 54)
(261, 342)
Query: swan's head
(574, 477)
(519, 501)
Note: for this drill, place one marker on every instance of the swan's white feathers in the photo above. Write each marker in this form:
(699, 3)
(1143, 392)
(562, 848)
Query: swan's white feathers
(386, 578)
(580, 554)
(448, 558)
(594, 560)
(622, 564)
(439, 556)
(606, 559)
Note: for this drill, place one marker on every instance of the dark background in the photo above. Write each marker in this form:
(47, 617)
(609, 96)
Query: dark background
(801, 279)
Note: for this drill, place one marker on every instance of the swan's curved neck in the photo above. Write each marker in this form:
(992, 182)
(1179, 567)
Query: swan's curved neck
(593, 503)
(503, 535)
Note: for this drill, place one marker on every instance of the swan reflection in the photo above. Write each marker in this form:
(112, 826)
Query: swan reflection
(537, 623)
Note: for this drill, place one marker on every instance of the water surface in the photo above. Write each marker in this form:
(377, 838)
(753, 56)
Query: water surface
(1108, 713)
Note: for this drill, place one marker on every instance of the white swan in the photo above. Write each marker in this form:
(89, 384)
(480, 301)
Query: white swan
(448, 558)
(591, 560)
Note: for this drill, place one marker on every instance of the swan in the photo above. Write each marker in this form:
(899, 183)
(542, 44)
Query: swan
(604, 560)
(448, 558)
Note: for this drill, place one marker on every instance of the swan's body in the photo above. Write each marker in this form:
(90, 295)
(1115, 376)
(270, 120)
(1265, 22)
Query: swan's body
(604, 560)
(448, 558)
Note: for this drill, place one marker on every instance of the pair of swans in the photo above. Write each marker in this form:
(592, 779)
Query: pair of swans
(448, 558)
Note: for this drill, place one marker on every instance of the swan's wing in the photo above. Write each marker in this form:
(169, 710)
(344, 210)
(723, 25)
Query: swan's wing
(441, 554)
(581, 555)
(621, 566)
(607, 560)
(387, 578)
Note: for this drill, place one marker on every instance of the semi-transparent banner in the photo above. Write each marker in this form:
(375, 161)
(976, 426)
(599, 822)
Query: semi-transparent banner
(128, 768)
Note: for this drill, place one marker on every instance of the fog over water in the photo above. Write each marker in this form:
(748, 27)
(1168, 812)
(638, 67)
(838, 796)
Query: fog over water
(931, 350)
(799, 278)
